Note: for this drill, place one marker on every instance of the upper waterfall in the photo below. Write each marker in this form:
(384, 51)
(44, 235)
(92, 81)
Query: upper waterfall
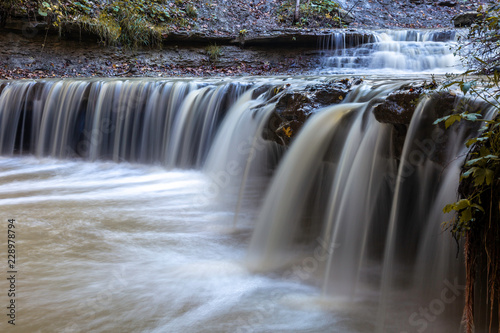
(400, 51)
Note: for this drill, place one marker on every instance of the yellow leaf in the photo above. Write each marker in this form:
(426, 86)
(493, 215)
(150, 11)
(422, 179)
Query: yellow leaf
(288, 131)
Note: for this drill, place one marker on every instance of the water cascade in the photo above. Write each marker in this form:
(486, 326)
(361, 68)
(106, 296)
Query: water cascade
(161, 206)
(342, 214)
(399, 51)
(170, 123)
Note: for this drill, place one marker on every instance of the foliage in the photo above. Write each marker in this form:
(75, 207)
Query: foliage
(214, 52)
(477, 210)
(103, 26)
(480, 49)
(482, 167)
(117, 22)
(10, 7)
(313, 13)
(191, 10)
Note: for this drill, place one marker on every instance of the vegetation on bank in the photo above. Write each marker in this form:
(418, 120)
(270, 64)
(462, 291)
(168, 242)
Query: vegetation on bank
(117, 22)
(311, 13)
(142, 22)
(477, 219)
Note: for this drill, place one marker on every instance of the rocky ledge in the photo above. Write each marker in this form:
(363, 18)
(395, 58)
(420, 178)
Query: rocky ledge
(294, 105)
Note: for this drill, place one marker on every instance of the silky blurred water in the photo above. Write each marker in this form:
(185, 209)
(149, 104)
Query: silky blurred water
(107, 247)
(119, 238)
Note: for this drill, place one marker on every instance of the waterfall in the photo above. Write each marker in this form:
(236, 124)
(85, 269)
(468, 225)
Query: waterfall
(393, 50)
(149, 121)
(341, 209)
(340, 213)
(212, 125)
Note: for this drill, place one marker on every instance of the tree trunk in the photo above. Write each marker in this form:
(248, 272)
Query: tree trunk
(296, 15)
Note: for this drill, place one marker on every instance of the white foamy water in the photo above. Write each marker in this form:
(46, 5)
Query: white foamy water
(390, 51)
(106, 247)
(158, 206)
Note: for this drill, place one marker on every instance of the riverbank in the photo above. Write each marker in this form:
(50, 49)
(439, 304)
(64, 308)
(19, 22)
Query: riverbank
(212, 46)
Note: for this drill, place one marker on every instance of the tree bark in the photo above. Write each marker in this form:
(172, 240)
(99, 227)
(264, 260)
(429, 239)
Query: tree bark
(296, 15)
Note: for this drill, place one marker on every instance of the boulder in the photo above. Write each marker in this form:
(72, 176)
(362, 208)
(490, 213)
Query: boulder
(397, 109)
(447, 3)
(294, 107)
(345, 16)
(292, 111)
(466, 19)
(399, 106)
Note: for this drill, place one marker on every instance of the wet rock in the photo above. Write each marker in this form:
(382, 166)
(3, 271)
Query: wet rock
(294, 107)
(433, 139)
(291, 112)
(466, 19)
(196, 37)
(443, 36)
(399, 106)
(397, 110)
(294, 37)
(447, 3)
(446, 102)
(345, 16)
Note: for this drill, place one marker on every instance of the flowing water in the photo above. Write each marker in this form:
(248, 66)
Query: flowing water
(146, 205)
(390, 51)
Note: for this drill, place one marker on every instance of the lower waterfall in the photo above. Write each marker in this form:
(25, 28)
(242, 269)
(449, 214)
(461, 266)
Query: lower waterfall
(160, 206)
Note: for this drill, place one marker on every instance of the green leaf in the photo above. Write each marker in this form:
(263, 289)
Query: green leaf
(466, 215)
(489, 176)
(469, 172)
(42, 13)
(437, 121)
(473, 161)
(491, 157)
(478, 207)
(471, 142)
(462, 204)
(481, 161)
(483, 151)
(448, 208)
(472, 116)
(479, 176)
(466, 87)
(452, 119)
